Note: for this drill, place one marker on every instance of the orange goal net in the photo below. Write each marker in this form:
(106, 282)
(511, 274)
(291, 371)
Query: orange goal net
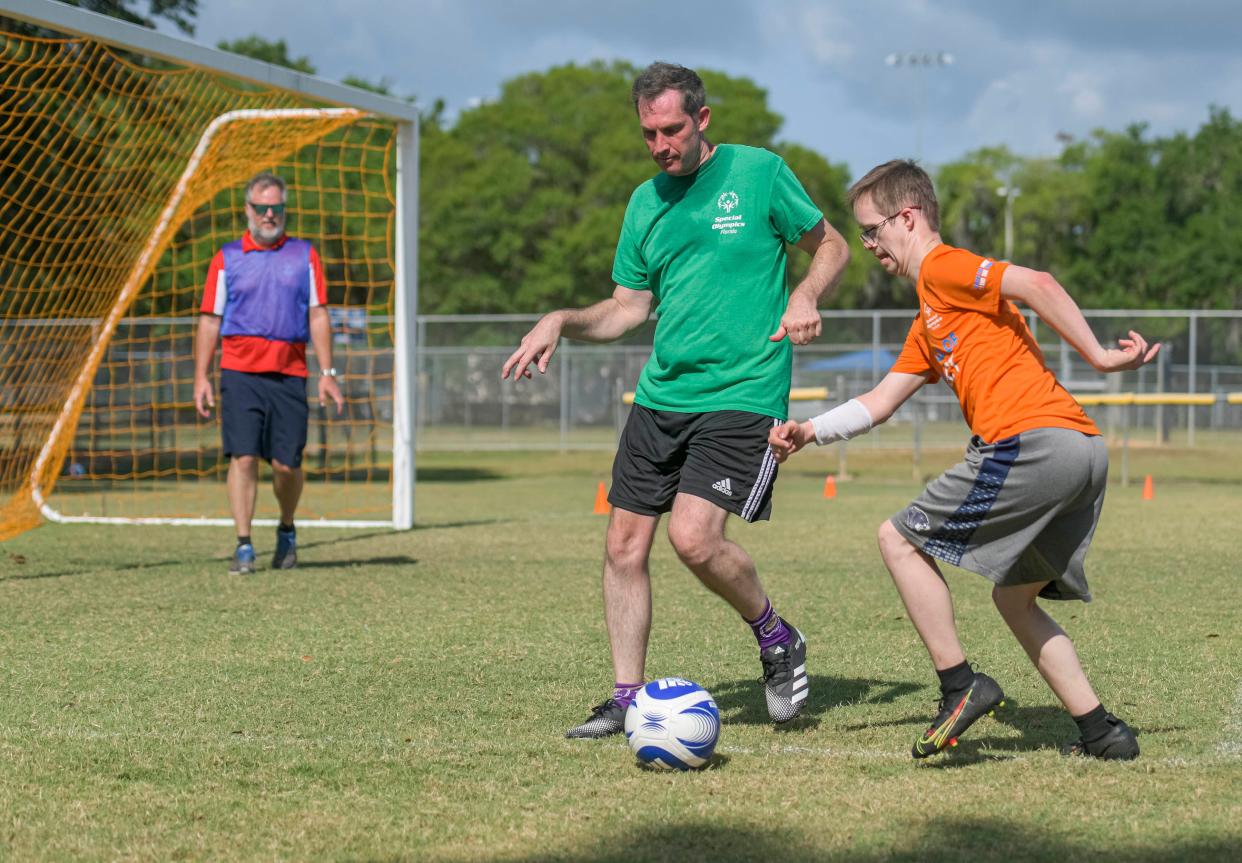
(120, 177)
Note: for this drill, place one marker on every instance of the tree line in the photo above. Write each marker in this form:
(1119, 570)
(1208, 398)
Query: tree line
(521, 197)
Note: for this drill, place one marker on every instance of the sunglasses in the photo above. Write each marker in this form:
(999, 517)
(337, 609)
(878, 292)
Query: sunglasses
(278, 210)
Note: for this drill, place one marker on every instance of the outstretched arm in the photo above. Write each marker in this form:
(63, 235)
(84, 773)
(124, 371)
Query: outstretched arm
(855, 417)
(829, 254)
(602, 322)
(1042, 293)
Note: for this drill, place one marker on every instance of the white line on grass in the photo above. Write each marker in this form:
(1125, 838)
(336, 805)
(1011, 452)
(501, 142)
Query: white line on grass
(1228, 750)
(825, 751)
(1231, 745)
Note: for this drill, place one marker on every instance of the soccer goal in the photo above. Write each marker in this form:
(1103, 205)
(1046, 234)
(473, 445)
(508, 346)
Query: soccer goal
(124, 155)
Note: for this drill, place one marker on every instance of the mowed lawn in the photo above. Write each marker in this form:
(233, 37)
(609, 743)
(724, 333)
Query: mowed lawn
(404, 696)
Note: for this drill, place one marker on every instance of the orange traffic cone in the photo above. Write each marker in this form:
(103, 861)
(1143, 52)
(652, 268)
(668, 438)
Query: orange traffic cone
(1148, 491)
(830, 487)
(601, 501)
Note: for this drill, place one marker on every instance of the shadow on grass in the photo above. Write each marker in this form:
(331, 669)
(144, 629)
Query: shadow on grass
(94, 570)
(350, 563)
(303, 545)
(1043, 726)
(718, 762)
(456, 474)
(743, 702)
(941, 838)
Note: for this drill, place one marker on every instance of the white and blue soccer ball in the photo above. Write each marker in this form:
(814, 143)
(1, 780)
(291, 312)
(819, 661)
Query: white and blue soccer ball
(673, 724)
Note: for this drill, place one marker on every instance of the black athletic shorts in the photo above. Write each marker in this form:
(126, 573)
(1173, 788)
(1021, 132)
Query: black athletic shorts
(720, 456)
(263, 414)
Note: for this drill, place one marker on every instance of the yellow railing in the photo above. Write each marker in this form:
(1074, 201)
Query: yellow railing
(819, 394)
(1193, 399)
(797, 394)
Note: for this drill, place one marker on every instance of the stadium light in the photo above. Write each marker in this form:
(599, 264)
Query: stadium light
(919, 61)
(1009, 193)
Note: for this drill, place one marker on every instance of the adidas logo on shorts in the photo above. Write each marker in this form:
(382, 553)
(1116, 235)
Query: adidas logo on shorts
(723, 487)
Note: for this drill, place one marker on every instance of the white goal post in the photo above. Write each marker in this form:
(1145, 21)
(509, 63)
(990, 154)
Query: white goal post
(404, 290)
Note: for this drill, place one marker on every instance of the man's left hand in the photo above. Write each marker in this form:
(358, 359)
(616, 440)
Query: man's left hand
(801, 321)
(328, 389)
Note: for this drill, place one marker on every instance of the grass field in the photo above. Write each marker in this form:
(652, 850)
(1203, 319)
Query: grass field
(402, 697)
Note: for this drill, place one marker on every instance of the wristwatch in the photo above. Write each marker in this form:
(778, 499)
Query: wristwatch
(327, 373)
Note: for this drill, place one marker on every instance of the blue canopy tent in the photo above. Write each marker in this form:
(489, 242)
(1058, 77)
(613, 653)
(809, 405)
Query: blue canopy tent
(854, 361)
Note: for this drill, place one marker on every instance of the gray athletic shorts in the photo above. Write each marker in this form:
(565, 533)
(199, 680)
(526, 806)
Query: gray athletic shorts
(1018, 511)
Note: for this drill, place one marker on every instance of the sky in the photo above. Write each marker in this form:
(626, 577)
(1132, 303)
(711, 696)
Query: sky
(1022, 74)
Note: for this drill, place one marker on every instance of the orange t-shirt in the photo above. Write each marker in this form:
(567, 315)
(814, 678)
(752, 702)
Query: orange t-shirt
(978, 341)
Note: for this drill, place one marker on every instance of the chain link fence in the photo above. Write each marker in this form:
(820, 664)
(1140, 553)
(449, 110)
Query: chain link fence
(578, 404)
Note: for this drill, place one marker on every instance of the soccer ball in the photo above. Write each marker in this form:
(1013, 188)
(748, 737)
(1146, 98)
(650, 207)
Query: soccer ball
(673, 724)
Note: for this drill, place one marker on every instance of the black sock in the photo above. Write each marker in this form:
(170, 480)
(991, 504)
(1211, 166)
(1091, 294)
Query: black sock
(1094, 724)
(243, 540)
(285, 528)
(957, 678)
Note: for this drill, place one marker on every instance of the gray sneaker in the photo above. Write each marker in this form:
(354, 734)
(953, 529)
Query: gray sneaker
(243, 560)
(785, 685)
(606, 719)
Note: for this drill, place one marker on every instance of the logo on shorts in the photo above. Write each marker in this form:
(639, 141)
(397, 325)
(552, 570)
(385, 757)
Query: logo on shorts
(916, 519)
(723, 487)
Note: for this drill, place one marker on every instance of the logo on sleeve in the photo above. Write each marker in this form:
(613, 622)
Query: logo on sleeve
(981, 275)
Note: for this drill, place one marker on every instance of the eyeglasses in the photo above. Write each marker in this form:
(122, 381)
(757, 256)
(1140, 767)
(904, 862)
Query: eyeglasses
(278, 210)
(868, 235)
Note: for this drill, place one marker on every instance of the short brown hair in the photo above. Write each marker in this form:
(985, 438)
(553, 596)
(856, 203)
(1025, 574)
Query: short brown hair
(658, 77)
(896, 184)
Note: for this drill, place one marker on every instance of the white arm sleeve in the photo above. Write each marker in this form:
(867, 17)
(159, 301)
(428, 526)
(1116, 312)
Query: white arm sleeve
(842, 422)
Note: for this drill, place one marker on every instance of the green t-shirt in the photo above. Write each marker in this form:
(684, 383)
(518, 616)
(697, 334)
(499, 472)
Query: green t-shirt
(711, 248)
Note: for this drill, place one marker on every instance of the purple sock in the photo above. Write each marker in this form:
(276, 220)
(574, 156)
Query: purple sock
(623, 693)
(769, 629)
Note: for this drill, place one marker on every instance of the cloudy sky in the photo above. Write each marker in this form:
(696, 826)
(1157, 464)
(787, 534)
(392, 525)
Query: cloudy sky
(1021, 72)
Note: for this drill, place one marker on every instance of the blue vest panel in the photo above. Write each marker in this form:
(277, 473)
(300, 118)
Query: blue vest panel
(268, 291)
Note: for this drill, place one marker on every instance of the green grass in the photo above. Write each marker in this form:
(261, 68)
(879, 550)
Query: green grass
(403, 696)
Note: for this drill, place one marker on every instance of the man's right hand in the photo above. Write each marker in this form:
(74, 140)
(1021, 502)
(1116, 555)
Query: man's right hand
(787, 438)
(204, 398)
(537, 347)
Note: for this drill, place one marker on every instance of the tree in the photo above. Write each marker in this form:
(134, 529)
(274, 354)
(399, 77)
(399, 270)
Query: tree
(269, 51)
(826, 184)
(522, 199)
(178, 12)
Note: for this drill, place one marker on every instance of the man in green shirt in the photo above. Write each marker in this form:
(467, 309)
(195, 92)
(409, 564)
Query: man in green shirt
(705, 239)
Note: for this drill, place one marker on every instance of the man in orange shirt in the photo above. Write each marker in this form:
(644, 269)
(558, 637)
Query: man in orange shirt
(1023, 505)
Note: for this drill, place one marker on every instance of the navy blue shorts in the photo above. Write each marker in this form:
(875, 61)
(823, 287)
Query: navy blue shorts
(263, 414)
(720, 456)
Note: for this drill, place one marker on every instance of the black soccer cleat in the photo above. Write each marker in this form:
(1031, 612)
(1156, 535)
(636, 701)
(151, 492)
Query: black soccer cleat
(606, 719)
(956, 712)
(286, 554)
(785, 685)
(1119, 744)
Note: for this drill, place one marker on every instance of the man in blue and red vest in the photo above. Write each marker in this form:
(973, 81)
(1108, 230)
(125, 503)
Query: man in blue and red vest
(266, 296)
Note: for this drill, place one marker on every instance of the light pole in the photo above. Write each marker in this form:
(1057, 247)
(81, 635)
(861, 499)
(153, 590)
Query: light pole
(1009, 192)
(919, 61)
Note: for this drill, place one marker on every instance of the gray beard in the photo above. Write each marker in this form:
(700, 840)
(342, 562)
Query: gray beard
(266, 237)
